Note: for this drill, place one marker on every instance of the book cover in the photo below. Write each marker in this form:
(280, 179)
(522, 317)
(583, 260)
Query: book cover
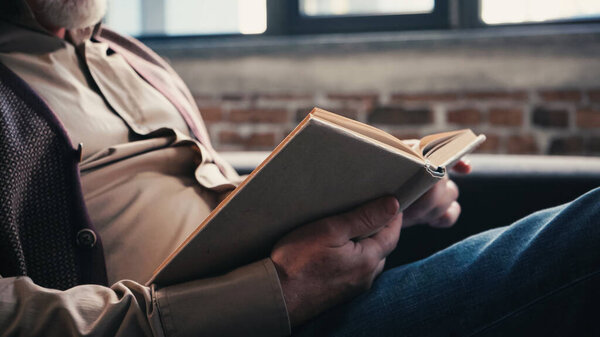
(320, 169)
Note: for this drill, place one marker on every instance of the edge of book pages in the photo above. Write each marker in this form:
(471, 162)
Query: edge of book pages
(464, 142)
(434, 170)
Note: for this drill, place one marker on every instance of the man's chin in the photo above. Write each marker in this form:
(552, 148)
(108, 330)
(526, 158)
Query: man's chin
(69, 14)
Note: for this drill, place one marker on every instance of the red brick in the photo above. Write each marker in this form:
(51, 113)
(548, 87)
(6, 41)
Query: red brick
(464, 116)
(588, 118)
(594, 95)
(506, 116)
(211, 114)
(258, 116)
(521, 144)
(284, 96)
(551, 117)
(424, 97)
(566, 145)
(491, 144)
(252, 141)
(346, 112)
(230, 137)
(260, 140)
(561, 95)
(496, 95)
(400, 116)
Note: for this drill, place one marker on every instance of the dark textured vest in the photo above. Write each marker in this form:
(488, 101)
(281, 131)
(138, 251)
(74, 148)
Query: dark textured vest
(43, 217)
(45, 231)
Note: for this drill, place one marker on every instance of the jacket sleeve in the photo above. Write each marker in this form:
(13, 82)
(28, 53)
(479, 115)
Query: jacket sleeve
(246, 301)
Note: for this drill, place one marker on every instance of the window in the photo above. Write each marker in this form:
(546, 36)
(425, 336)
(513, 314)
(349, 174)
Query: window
(373, 7)
(337, 16)
(187, 17)
(156, 18)
(524, 11)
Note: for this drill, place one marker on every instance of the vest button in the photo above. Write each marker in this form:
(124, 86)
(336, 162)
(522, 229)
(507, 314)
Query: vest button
(86, 238)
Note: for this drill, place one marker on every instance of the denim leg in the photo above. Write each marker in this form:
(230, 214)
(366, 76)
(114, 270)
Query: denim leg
(541, 275)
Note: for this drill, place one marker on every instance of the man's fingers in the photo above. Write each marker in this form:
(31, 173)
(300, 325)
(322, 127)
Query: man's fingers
(367, 219)
(463, 166)
(426, 202)
(387, 238)
(436, 200)
(443, 203)
(384, 241)
(449, 217)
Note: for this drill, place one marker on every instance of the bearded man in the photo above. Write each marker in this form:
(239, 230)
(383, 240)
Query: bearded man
(106, 167)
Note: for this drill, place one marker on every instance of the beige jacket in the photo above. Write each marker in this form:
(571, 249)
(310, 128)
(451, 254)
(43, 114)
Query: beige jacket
(145, 156)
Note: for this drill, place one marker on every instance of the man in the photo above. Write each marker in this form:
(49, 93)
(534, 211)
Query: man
(149, 176)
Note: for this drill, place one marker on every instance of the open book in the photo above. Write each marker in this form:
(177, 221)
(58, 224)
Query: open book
(327, 165)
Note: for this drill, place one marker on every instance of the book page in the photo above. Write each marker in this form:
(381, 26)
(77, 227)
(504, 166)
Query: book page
(429, 143)
(365, 130)
(450, 151)
(438, 149)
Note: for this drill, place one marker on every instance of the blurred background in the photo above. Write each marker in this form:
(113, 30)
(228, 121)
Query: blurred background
(524, 72)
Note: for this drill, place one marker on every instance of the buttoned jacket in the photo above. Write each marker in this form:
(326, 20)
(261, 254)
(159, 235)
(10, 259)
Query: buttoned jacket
(45, 230)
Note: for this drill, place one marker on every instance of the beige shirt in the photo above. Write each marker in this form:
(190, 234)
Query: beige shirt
(147, 185)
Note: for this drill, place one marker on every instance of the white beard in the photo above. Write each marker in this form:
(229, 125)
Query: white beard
(69, 14)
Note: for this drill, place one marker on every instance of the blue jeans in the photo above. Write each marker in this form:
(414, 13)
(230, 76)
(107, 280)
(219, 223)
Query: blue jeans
(538, 277)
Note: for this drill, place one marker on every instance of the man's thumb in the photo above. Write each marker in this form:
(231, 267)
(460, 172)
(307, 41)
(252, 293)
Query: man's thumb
(370, 217)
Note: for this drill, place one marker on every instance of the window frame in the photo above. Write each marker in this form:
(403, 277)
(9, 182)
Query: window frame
(303, 24)
(284, 19)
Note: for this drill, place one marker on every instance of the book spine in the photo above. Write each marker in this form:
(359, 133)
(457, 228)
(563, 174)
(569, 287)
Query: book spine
(415, 187)
(438, 172)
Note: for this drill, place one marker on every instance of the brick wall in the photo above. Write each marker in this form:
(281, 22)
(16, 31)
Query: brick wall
(565, 121)
(530, 89)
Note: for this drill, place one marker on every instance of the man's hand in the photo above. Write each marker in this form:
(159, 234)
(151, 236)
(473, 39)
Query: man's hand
(438, 206)
(329, 261)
